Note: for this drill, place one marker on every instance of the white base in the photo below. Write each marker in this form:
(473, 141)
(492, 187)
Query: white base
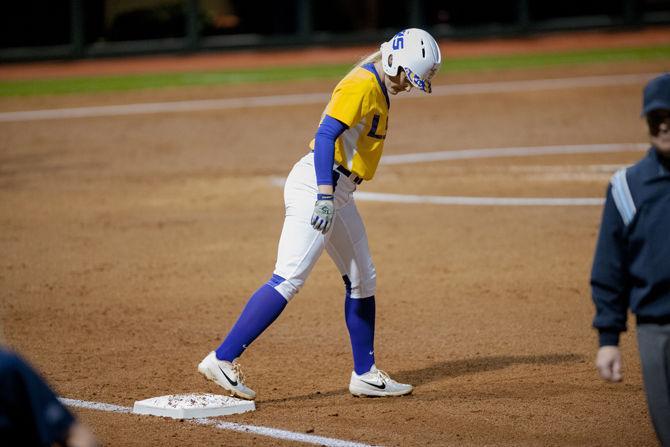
(190, 406)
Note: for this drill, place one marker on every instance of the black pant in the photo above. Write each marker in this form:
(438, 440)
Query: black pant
(654, 345)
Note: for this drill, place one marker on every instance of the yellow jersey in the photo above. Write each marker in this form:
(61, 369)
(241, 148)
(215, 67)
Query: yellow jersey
(360, 101)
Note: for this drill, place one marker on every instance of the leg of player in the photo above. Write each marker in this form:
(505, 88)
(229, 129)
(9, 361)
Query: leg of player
(348, 247)
(261, 310)
(366, 379)
(359, 314)
(300, 246)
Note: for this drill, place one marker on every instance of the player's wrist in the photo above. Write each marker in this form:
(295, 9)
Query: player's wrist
(608, 338)
(325, 189)
(323, 196)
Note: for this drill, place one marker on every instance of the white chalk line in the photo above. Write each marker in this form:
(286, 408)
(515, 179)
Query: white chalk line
(280, 434)
(540, 84)
(316, 98)
(230, 426)
(422, 157)
(164, 107)
(489, 153)
(95, 405)
(476, 201)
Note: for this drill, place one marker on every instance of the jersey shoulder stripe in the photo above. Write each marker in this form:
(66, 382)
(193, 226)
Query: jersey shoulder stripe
(622, 196)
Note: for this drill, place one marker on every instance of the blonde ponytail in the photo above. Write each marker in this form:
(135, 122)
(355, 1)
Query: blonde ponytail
(370, 58)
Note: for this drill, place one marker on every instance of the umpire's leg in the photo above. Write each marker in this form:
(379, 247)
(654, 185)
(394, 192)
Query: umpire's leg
(654, 345)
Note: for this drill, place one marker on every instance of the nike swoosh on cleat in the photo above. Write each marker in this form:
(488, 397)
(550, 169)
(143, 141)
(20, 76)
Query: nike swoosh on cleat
(381, 387)
(232, 382)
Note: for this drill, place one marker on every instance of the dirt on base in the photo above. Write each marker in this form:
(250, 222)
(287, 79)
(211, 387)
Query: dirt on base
(130, 244)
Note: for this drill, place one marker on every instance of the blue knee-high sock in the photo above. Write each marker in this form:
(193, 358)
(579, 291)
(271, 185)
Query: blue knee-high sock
(261, 310)
(360, 317)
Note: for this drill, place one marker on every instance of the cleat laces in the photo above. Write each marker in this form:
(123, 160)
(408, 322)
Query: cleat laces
(238, 371)
(384, 377)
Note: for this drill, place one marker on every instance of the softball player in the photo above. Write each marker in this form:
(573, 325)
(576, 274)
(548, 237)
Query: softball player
(321, 213)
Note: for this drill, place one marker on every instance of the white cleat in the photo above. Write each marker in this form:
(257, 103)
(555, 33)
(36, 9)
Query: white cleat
(376, 383)
(225, 374)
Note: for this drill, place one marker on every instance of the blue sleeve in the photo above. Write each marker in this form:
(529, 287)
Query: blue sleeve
(324, 148)
(609, 277)
(29, 411)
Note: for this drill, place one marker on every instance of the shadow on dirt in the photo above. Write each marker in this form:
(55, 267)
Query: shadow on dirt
(450, 368)
(456, 368)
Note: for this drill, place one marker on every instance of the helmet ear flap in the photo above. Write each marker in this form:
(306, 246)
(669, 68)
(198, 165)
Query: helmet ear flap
(389, 63)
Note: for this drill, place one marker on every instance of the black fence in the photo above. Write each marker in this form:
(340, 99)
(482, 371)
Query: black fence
(60, 29)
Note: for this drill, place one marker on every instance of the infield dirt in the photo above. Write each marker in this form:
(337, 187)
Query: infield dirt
(130, 244)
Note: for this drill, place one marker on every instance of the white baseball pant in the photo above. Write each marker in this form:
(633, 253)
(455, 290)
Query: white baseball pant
(300, 245)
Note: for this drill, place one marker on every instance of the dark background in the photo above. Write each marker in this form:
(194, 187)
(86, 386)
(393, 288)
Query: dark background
(39, 29)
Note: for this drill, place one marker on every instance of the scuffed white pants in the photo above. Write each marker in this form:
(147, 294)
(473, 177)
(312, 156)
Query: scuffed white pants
(300, 245)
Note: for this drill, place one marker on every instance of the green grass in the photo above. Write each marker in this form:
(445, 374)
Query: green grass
(205, 78)
(555, 59)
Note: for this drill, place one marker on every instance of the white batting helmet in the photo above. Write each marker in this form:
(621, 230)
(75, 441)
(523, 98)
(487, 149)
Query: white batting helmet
(416, 52)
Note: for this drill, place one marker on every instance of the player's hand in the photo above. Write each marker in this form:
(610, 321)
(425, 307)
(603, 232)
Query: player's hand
(324, 212)
(608, 362)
